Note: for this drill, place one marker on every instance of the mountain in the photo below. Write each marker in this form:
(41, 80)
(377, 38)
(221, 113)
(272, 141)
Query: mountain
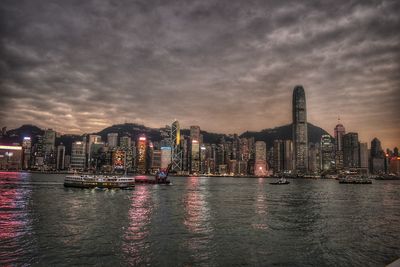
(284, 133)
(131, 129)
(18, 134)
(155, 134)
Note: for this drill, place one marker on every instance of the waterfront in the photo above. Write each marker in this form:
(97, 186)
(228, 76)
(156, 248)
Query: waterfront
(199, 222)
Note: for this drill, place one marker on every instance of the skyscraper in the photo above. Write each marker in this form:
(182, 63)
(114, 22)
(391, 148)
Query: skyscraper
(195, 133)
(339, 131)
(260, 166)
(141, 155)
(351, 150)
(60, 164)
(176, 152)
(26, 147)
(78, 157)
(112, 140)
(300, 135)
(195, 157)
(327, 153)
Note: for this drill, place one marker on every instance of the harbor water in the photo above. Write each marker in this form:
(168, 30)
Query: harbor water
(198, 222)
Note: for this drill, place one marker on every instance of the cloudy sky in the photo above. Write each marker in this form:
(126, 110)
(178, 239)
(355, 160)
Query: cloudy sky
(228, 66)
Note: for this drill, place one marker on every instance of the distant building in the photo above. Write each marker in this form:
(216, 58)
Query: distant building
(177, 153)
(26, 153)
(156, 160)
(314, 157)
(300, 133)
(195, 156)
(278, 157)
(350, 150)
(125, 142)
(260, 166)
(49, 139)
(327, 153)
(118, 160)
(78, 155)
(92, 139)
(60, 163)
(339, 131)
(10, 157)
(394, 166)
(112, 140)
(195, 133)
(166, 152)
(377, 159)
(363, 156)
(141, 159)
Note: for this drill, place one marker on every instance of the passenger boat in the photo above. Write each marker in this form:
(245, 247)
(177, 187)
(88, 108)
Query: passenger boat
(281, 181)
(352, 179)
(99, 181)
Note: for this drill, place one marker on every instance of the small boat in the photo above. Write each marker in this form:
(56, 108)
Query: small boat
(99, 181)
(281, 181)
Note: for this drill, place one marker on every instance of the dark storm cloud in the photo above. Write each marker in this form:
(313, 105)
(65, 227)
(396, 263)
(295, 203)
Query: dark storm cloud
(227, 66)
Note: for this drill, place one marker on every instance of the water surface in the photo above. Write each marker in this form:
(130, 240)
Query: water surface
(199, 222)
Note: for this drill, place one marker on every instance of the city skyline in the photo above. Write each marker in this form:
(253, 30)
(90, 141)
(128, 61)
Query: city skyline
(78, 68)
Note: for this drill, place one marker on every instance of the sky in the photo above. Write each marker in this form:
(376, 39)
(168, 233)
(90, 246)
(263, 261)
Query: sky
(227, 66)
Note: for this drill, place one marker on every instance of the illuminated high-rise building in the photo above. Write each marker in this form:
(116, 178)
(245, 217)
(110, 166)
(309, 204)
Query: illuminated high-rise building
(119, 160)
(314, 158)
(327, 153)
(49, 140)
(26, 152)
(176, 152)
(141, 156)
(166, 152)
(60, 163)
(278, 157)
(78, 155)
(125, 142)
(195, 133)
(112, 140)
(92, 139)
(195, 157)
(339, 131)
(300, 133)
(260, 166)
(288, 156)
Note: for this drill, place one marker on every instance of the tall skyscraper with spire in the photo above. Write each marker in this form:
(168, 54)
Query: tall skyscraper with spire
(300, 134)
(339, 132)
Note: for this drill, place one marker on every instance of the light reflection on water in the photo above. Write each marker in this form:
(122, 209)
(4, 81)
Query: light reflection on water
(260, 221)
(197, 218)
(135, 243)
(15, 220)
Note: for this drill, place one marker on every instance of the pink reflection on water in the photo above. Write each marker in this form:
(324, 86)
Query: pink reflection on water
(197, 217)
(140, 212)
(260, 206)
(14, 220)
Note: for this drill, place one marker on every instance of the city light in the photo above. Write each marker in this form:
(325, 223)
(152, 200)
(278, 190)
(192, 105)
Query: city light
(11, 147)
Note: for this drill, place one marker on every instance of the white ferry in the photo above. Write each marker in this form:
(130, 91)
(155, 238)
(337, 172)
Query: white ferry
(99, 181)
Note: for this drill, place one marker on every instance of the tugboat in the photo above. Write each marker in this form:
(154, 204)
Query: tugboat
(99, 181)
(282, 180)
(161, 177)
